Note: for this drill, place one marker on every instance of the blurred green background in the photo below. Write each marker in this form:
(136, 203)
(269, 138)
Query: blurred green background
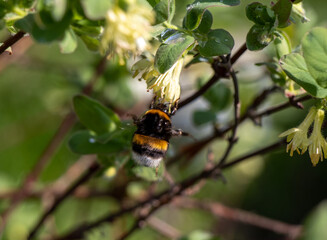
(36, 89)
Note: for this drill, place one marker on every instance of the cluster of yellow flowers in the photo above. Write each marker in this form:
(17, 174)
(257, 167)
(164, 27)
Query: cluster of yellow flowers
(298, 139)
(127, 33)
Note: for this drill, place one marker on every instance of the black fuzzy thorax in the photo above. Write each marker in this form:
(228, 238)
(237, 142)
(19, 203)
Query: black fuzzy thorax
(154, 125)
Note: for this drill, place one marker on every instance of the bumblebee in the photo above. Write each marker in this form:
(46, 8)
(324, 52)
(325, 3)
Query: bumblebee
(151, 139)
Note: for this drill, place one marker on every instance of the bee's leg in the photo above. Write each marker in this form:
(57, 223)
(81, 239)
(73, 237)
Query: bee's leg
(157, 168)
(179, 132)
(134, 117)
(174, 108)
(153, 102)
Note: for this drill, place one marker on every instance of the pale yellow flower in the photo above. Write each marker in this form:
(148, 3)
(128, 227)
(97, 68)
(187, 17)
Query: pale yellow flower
(297, 138)
(166, 85)
(127, 31)
(110, 172)
(318, 145)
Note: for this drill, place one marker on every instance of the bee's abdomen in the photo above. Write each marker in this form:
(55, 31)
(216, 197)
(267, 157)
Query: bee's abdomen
(148, 151)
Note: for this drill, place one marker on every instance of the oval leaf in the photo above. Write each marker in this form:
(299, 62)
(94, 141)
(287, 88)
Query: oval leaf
(94, 115)
(83, 142)
(260, 14)
(282, 45)
(196, 9)
(283, 9)
(167, 55)
(206, 22)
(219, 42)
(315, 225)
(96, 9)
(46, 31)
(258, 37)
(201, 117)
(69, 43)
(296, 69)
(165, 11)
(314, 46)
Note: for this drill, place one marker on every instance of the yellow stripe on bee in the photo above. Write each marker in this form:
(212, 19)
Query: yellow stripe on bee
(151, 141)
(159, 112)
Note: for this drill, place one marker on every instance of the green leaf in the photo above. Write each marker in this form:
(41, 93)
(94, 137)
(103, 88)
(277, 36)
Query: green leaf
(260, 14)
(125, 132)
(149, 174)
(203, 4)
(282, 44)
(83, 142)
(153, 2)
(315, 225)
(59, 9)
(26, 3)
(314, 47)
(276, 73)
(96, 9)
(167, 33)
(259, 37)
(219, 96)
(91, 43)
(283, 9)
(89, 27)
(201, 117)
(219, 42)
(168, 54)
(206, 22)
(69, 43)
(198, 59)
(295, 67)
(43, 28)
(94, 115)
(165, 11)
(196, 10)
(298, 14)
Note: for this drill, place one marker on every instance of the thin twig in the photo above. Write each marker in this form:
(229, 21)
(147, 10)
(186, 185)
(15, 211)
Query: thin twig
(255, 153)
(281, 106)
(237, 108)
(238, 54)
(219, 73)
(11, 41)
(238, 215)
(89, 172)
(164, 228)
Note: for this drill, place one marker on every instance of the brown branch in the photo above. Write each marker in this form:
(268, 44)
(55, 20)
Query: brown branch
(238, 215)
(90, 171)
(238, 54)
(237, 108)
(255, 153)
(281, 106)
(220, 72)
(11, 41)
(164, 228)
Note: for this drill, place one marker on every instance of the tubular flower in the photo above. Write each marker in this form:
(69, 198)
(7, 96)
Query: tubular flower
(165, 86)
(318, 145)
(297, 138)
(127, 31)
